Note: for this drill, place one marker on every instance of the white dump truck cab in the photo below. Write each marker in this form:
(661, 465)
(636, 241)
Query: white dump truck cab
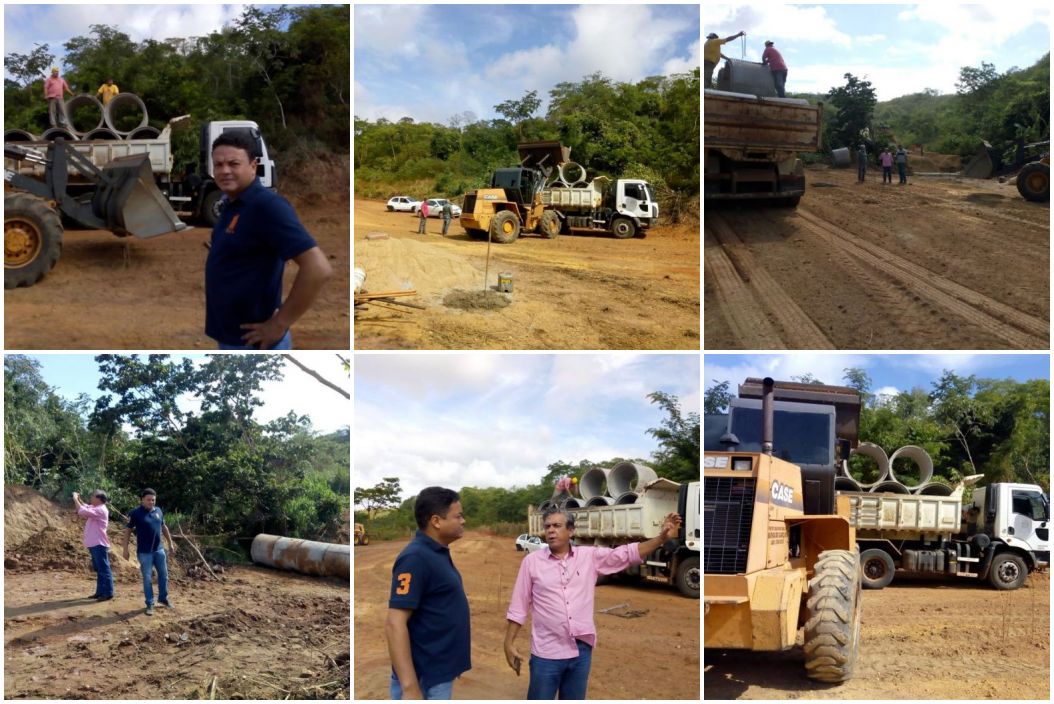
(1016, 514)
(635, 199)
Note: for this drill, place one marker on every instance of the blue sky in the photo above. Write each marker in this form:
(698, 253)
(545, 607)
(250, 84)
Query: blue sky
(890, 373)
(901, 49)
(430, 62)
(73, 374)
(498, 420)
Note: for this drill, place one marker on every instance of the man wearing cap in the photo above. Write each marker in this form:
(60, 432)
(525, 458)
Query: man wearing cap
(98, 518)
(55, 89)
(772, 58)
(712, 53)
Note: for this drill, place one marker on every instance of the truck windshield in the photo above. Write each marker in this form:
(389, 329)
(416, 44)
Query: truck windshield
(802, 438)
(1032, 504)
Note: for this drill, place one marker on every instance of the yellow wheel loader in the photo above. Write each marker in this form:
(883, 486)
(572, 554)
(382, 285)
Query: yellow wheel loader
(779, 553)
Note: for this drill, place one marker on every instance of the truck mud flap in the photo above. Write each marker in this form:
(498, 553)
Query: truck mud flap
(131, 203)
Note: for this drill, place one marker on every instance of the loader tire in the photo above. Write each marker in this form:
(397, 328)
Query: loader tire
(504, 227)
(1008, 571)
(876, 569)
(832, 631)
(623, 228)
(688, 577)
(1033, 182)
(549, 225)
(32, 239)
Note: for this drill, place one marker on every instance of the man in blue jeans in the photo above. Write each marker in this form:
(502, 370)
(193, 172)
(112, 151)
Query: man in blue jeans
(97, 542)
(149, 525)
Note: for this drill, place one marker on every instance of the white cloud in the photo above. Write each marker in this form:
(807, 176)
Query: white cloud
(683, 64)
(828, 368)
(390, 30)
(776, 22)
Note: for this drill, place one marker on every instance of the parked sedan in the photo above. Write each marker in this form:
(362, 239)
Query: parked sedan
(528, 543)
(404, 204)
(435, 208)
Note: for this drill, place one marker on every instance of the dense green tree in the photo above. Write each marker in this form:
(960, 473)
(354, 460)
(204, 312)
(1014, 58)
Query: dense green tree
(678, 455)
(855, 102)
(717, 398)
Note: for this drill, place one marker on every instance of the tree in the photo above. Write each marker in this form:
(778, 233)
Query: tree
(380, 497)
(516, 111)
(717, 398)
(31, 67)
(973, 79)
(678, 455)
(857, 378)
(855, 102)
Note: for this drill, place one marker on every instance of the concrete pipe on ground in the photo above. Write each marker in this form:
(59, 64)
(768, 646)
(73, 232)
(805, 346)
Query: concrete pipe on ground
(877, 454)
(629, 476)
(15, 135)
(54, 133)
(120, 102)
(594, 482)
(102, 133)
(600, 501)
(87, 106)
(933, 489)
(841, 157)
(147, 132)
(304, 556)
(920, 457)
(846, 484)
(889, 486)
(627, 497)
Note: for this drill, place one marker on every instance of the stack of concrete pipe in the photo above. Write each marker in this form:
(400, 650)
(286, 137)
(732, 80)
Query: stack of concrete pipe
(105, 128)
(618, 485)
(570, 174)
(887, 481)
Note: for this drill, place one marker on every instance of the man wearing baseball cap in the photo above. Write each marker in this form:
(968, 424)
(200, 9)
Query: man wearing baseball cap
(712, 53)
(774, 60)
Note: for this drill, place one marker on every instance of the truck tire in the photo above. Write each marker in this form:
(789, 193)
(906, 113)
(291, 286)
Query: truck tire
(549, 225)
(1008, 571)
(791, 202)
(32, 239)
(876, 569)
(365, 540)
(623, 228)
(504, 227)
(212, 207)
(1033, 182)
(687, 578)
(832, 631)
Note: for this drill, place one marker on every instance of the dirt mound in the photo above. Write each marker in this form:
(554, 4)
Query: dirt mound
(27, 511)
(476, 300)
(404, 264)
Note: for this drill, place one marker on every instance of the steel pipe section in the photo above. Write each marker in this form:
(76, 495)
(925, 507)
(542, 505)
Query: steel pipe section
(80, 101)
(846, 484)
(877, 454)
(16, 135)
(103, 133)
(593, 483)
(627, 497)
(920, 457)
(54, 133)
(629, 476)
(304, 556)
(889, 486)
(147, 132)
(933, 489)
(600, 501)
(121, 100)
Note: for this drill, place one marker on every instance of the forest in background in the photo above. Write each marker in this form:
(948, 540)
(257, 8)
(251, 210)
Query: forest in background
(218, 471)
(969, 425)
(389, 516)
(649, 129)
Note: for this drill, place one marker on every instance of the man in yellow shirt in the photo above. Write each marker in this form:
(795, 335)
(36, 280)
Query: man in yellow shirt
(107, 91)
(712, 53)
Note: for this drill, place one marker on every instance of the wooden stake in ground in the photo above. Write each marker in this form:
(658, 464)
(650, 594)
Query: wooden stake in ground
(486, 269)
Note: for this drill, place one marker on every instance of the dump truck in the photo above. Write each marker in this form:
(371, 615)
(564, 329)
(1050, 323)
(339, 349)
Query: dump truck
(610, 525)
(540, 196)
(752, 146)
(779, 552)
(193, 193)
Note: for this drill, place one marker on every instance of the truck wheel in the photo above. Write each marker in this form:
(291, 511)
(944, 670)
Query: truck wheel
(32, 240)
(1033, 182)
(791, 202)
(505, 227)
(1008, 571)
(623, 228)
(212, 207)
(687, 577)
(832, 631)
(549, 225)
(876, 569)
(365, 540)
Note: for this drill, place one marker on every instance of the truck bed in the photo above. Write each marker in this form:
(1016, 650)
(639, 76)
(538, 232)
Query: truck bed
(99, 152)
(738, 121)
(620, 522)
(903, 516)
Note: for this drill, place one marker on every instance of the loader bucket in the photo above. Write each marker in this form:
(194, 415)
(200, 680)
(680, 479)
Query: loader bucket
(131, 203)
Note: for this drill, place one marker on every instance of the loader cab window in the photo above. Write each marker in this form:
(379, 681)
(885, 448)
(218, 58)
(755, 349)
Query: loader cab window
(801, 438)
(1032, 504)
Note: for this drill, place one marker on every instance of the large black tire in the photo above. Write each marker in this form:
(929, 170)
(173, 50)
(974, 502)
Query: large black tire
(365, 540)
(32, 239)
(832, 631)
(1008, 571)
(212, 207)
(504, 227)
(549, 225)
(688, 578)
(1033, 182)
(876, 569)
(623, 228)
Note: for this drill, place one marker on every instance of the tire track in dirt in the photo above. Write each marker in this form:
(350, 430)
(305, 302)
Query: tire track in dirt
(799, 330)
(1021, 330)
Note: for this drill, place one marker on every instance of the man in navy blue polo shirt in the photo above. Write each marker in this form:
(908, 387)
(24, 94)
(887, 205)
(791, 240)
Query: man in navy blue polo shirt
(149, 525)
(254, 237)
(428, 620)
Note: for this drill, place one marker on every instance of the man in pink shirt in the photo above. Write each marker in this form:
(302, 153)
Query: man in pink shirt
(96, 541)
(558, 583)
(774, 60)
(55, 89)
(887, 166)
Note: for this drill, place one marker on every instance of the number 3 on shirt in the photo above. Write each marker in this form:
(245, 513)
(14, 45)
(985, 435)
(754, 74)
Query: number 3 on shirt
(404, 584)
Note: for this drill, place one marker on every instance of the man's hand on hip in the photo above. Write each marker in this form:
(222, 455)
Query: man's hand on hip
(265, 335)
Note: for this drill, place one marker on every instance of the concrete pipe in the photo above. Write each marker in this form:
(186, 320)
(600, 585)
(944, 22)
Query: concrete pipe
(920, 457)
(877, 454)
(54, 133)
(594, 482)
(841, 157)
(629, 476)
(147, 132)
(15, 135)
(600, 501)
(570, 502)
(626, 497)
(104, 133)
(846, 484)
(122, 101)
(87, 106)
(304, 556)
(933, 489)
(572, 167)
(889, 486)
(545, 506)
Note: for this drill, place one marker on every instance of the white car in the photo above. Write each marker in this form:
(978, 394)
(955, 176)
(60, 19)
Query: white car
(528, 543)
(404, 204)
(435, 208)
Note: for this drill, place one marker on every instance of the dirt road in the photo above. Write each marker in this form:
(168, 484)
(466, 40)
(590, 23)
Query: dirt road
(655, 656)
(125, 293)
(936, 264)
(919, 640)
(574, 292)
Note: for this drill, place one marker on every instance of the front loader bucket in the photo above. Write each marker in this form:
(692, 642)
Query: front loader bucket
(131, 203)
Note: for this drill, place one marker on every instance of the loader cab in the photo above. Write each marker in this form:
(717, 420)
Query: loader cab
(520, 184)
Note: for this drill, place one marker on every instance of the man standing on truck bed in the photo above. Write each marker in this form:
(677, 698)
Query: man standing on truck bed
(558, 583)
(107, 91)
(712, 53)
(55, 89)
(774, 60)
(257, 232)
